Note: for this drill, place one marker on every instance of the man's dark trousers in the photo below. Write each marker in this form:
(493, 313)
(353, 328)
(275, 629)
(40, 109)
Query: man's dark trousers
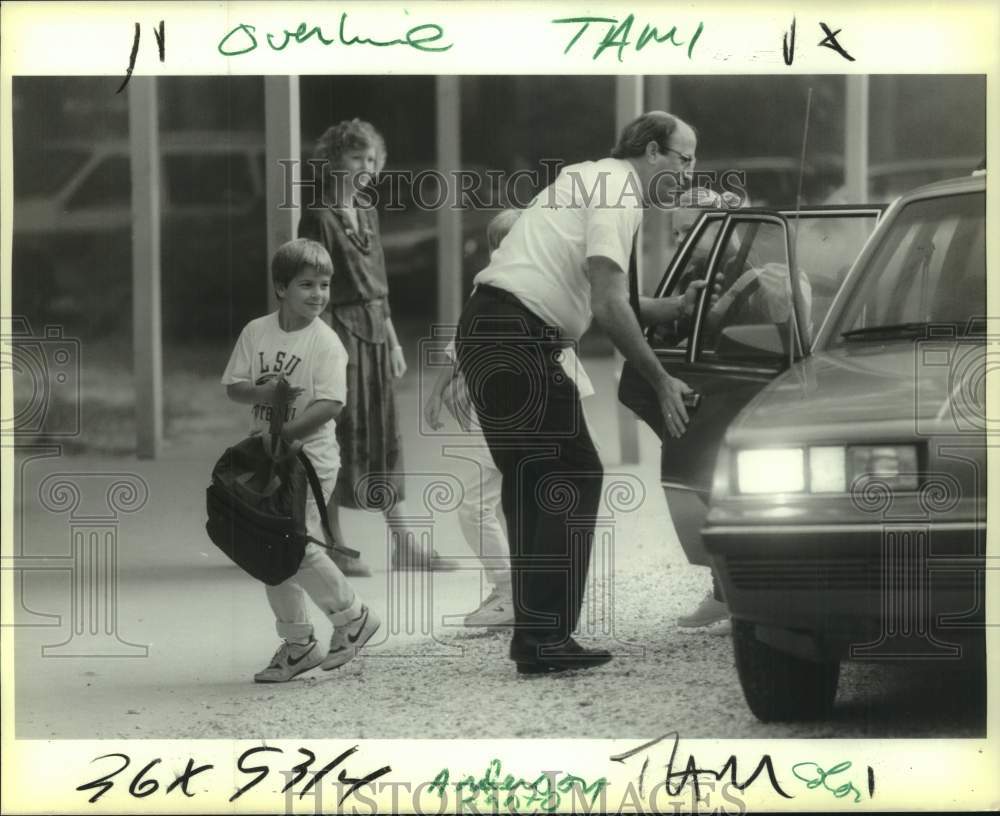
(532, 419)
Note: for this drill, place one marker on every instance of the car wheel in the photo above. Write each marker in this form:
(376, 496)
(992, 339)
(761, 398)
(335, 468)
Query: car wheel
(780, 687)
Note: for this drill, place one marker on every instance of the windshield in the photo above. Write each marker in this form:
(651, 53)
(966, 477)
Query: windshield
(44, 172)
(930, 268)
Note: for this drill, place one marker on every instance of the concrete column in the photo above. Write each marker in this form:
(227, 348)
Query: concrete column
(447, 90)
(856, 139)
(282, 143)
(657, 223)
(147, 360)
(628, 105)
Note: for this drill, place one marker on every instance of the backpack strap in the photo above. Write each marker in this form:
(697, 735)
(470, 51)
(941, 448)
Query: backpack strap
(317, 491)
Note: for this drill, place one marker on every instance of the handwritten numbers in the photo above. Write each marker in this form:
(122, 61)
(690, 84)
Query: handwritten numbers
(830, 41)
(260, 770)
(141, 785)
(104, 782)
(871, 782)
(160, 32)
(788, 44)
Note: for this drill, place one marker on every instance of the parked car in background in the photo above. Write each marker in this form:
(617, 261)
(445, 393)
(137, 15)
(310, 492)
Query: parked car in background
(844, 476)
(73, 225)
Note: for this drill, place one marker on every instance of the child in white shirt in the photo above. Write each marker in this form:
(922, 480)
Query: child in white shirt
(293, 343)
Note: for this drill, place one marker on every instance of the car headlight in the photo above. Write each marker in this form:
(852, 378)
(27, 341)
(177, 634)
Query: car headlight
(821, 468)
(771, 470)
(895, 465)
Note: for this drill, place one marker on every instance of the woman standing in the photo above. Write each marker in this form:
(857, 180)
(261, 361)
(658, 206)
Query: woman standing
(371, 471)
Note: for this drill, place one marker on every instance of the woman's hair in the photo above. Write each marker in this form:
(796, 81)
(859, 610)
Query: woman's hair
(294, 256)
(353, 134)
(655, 126)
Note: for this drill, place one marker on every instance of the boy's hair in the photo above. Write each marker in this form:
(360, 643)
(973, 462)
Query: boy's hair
(350, 134)
(293, 256)
(500, 226)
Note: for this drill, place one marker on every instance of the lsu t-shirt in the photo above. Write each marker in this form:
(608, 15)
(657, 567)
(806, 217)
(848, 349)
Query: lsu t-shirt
(312, 359)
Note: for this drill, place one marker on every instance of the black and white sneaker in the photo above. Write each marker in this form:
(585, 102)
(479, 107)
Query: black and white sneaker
(290, 661)
(352, 629)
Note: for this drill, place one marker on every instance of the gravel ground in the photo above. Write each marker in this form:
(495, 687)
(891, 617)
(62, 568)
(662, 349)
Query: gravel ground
(208, 629)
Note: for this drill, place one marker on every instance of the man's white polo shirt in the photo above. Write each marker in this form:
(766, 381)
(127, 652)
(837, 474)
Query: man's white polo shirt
(592, 208)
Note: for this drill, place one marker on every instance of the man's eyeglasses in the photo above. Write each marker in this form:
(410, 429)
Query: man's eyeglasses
(686, 160)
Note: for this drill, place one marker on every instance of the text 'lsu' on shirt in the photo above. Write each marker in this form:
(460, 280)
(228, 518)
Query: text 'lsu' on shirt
(312, 359)
(592, 208)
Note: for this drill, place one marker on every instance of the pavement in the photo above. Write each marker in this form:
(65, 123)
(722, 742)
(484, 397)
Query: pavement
(129, 623)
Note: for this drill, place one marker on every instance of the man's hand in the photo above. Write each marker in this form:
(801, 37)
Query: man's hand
(689, 300)
(398, 362)
(670, 393)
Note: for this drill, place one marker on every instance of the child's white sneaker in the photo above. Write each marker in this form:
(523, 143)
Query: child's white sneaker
(352, 629)
(496, 610)
(291, 660)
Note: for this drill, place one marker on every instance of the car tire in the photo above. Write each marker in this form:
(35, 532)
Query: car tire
(780, 687)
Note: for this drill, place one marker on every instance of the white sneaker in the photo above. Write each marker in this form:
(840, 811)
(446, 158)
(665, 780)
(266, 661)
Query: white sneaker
(289, 661)
(711, 615)
(496, 610)
(352, 629)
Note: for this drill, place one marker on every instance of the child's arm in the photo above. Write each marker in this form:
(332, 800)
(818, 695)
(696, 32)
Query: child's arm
(248, 393)
(395, 350)
(312, 418)
(432, 408)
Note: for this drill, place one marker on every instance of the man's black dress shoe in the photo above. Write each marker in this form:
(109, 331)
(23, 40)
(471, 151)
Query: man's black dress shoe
(544, 659)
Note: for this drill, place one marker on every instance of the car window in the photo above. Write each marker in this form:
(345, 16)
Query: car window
(209, 180)
(825, 248)
(694, 266)
(749, 295)
(44, 172)
(109, 184)
(929, 268)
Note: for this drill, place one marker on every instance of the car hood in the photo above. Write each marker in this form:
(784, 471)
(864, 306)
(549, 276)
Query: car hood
(902, 389)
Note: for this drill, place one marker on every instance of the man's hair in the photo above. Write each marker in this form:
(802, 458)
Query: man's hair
(654, 126)
(350, 134)
(500, 226)
(294, 256)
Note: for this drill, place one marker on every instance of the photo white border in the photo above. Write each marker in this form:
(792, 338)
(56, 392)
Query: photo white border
(94, 39)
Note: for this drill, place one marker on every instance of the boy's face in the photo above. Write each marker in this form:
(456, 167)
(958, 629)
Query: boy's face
(306, 295)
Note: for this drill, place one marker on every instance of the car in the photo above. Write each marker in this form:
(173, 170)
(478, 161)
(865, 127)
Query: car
(71, 258)
(73, 225)
(834, 473)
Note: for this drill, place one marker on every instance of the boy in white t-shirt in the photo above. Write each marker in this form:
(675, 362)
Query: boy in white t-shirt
(292, 343)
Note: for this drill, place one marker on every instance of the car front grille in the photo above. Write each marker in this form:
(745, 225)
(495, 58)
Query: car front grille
(811, 574)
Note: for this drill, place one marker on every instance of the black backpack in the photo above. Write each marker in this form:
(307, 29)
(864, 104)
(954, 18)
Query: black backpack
(256, 505)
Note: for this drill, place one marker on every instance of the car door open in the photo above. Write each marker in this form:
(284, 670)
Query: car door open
(751, 321)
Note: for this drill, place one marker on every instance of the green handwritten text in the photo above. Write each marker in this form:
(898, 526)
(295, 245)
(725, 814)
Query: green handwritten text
(814, 776)
(518, 795)
(243, 38)
(618, 35)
